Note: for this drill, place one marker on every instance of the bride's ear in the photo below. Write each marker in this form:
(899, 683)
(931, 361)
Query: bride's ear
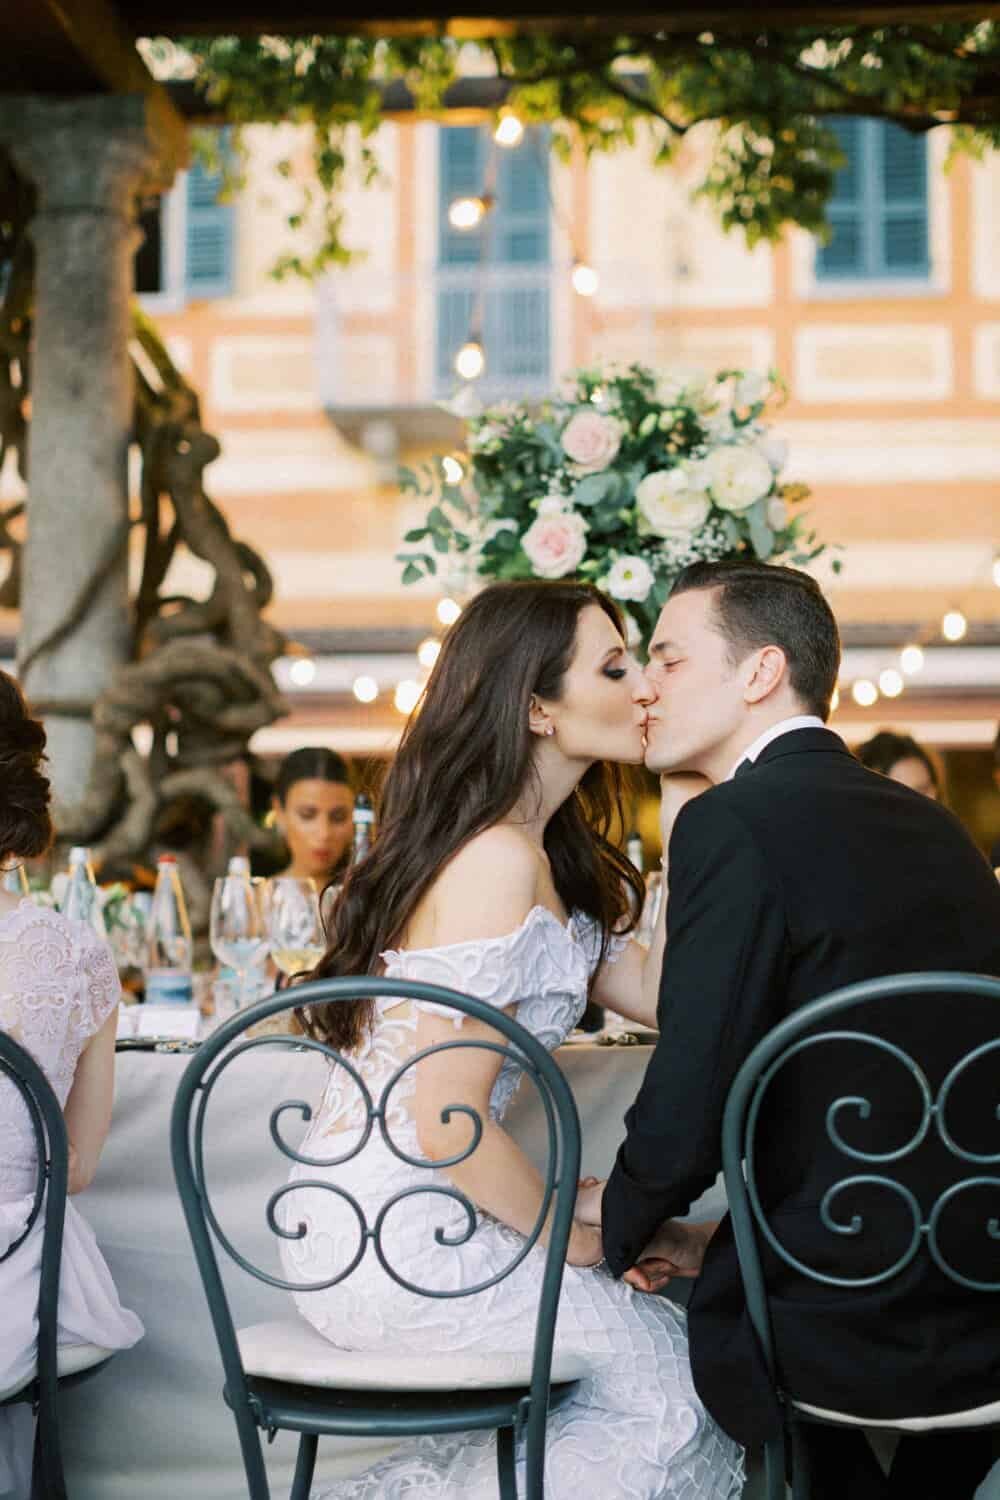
(539, 719)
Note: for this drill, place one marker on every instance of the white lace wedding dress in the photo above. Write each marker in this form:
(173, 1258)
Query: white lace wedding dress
(636, 1429)
(57, 987)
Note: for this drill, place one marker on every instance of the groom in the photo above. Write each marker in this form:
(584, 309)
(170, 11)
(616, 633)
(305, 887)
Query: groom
(796, 872)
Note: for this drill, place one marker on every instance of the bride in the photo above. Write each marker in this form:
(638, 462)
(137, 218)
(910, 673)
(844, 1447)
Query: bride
(492, 875)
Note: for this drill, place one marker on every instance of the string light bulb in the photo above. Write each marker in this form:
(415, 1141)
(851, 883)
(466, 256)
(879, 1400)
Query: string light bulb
(509, 131)
(406, 695)
(428, 652)
(470, 361)
(585, 279)
(911, 660)
(448, 611)
(365, 689)
(864, 693)
(469, 212)
(954, 625)
(302, 671)
(891, 683)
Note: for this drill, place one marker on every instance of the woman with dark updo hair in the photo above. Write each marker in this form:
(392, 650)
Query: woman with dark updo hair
(312, 808)
(902, 759)
(59, 998)
(493, 873)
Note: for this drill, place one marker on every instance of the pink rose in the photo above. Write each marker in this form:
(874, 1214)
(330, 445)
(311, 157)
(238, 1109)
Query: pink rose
(555, 544)
(591, 441)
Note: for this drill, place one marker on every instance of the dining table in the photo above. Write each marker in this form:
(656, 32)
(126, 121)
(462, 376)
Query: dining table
(154, 1422)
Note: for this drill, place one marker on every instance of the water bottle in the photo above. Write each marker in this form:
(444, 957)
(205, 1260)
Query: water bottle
(15, 881)
(169, 950)
(364, 827)
(81, 899)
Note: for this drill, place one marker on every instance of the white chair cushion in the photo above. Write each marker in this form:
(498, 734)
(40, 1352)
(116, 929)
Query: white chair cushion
(71, 1359)
(290, 1349)
(979, 1416)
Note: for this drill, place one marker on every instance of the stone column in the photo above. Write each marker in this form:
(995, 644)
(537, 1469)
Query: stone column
(87, 158)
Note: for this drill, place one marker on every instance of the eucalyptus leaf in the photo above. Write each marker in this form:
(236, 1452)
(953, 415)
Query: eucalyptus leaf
(761, 535)
(593, 488)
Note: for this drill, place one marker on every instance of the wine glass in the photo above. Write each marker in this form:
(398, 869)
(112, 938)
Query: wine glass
(238, 925)
(295, 927)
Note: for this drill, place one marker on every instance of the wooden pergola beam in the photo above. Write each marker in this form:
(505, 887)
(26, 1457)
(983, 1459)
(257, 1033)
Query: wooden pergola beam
(483, 18)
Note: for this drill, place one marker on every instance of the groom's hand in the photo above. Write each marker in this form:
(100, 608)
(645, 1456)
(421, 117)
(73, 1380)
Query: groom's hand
(675, 1250)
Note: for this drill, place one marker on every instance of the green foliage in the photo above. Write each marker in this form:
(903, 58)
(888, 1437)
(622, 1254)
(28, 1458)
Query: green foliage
(767, 92)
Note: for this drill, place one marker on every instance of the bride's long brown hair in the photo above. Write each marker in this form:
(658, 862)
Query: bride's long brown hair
(464, 760)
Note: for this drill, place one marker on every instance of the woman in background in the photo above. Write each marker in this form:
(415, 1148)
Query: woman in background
(59, 999)
(899, 757)
(312, 808)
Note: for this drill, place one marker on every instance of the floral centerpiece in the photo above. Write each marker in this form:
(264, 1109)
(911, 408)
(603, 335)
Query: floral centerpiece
(623, 479)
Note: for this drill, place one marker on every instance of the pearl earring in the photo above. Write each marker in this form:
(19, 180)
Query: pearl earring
(550, 729)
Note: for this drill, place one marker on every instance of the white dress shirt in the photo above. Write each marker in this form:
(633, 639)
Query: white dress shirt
(799, 721)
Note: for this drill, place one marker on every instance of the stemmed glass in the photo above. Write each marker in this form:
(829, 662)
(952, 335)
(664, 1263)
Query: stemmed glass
(238, 925)
(295, 927)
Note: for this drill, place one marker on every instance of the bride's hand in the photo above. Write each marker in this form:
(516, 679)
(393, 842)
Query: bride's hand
(590, 1193)
(675, 1250)
(677, 788)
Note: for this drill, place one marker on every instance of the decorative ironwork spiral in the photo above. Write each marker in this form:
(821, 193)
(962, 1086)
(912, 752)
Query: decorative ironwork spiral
(375, 1234)
(992, 1232)
(944, 1094)
(932, 1109)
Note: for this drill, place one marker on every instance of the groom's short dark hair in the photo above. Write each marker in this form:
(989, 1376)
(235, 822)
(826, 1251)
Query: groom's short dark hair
(760, 604)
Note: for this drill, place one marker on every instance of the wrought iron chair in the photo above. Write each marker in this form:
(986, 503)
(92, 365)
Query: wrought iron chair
(517, 1402)
(54, 1367)
(813, 1026)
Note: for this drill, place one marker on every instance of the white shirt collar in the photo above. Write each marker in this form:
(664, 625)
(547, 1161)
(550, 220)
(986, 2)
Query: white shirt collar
(799, 721)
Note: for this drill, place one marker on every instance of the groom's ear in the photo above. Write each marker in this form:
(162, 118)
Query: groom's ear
(765, 671)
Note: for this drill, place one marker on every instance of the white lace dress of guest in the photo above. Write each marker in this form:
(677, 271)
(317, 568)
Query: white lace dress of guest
(58, 985)
(636, 1429)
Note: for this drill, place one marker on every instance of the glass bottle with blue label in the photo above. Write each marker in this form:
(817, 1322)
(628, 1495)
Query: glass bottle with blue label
(169, 950)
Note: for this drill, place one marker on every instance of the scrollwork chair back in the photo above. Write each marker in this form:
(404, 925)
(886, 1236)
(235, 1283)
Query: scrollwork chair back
(797, 1039)
(528, 1405)
(18, 1070)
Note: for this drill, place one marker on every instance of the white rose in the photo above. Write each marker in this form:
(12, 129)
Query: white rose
(630, 578)
(555, 544)
(591, 441)
(777, 513)
(750, 389)
(738, 476)
(682, 386)
(552, 505)
(670, 504)
(775, 450)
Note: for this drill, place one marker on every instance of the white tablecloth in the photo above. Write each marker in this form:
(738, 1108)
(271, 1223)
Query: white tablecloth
(154, 1424)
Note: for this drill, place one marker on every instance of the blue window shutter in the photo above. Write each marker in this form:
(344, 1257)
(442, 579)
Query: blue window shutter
(844, 256)
(904, 248)
(878, 211)
(209, 247)
(503, 267)
(462, 160)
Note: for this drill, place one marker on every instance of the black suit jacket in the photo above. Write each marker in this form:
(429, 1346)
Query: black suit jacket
(806, 873)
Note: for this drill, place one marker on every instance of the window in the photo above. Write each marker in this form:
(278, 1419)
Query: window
(878, 211)
(498, 273)
(188, 241)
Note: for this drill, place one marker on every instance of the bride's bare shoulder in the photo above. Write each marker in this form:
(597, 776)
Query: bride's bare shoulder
(485, 890)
